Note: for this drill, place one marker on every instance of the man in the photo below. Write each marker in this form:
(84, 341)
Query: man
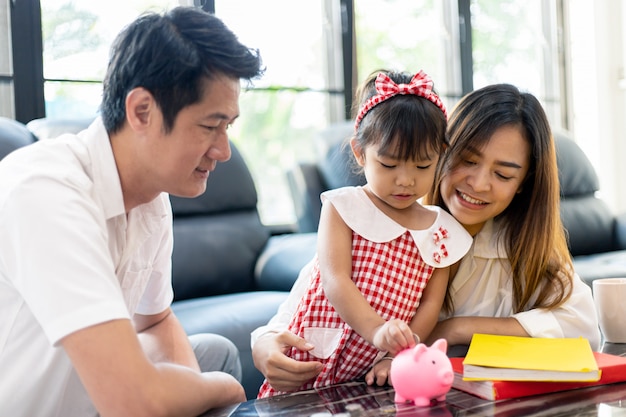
(86, 233)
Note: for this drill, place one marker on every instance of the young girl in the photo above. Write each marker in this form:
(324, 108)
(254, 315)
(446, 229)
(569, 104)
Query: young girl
(499, 179)
(380, 253)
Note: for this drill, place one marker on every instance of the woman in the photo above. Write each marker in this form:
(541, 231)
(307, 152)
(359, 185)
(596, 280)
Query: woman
(499, 179)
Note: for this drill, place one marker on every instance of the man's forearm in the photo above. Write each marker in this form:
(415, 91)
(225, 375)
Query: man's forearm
(166, 341)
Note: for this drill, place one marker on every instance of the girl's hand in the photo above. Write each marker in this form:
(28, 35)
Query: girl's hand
(379, 374)
(394, 336)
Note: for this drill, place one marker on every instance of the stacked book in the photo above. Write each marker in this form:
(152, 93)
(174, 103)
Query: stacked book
(500, 367)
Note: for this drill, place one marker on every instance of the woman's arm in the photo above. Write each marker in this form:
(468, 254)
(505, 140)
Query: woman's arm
(576, 317)
(280, 321)
(335, 259)
(459, 330)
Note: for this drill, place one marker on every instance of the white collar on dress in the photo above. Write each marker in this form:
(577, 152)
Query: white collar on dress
(440, 245)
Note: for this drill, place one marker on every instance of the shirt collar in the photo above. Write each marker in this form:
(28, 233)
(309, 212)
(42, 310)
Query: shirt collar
(488, 243)
(104, 172)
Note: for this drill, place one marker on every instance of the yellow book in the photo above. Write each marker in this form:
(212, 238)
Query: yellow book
(510, 358)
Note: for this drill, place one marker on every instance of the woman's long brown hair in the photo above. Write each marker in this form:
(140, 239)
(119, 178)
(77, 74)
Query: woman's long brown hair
(532, 232)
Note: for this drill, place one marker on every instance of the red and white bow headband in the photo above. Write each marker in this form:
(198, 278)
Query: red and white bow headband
(421, 85)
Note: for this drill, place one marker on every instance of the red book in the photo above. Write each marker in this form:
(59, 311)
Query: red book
(613, 370)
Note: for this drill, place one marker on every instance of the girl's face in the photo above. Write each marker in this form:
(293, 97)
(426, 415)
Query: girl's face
(485, 182)
(397, 183)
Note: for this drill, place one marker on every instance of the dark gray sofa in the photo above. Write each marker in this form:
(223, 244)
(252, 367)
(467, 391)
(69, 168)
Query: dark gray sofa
(230, 272)
(596, 237)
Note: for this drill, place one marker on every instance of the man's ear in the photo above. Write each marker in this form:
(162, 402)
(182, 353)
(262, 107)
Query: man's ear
(357, 152)
(140, 108)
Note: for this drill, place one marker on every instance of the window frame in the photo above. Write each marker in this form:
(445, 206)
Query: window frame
(27, 51)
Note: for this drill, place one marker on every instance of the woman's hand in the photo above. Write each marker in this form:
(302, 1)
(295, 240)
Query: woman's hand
(282, 372)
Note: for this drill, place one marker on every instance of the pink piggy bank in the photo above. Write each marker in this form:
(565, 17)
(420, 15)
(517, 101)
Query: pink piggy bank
(422, 373)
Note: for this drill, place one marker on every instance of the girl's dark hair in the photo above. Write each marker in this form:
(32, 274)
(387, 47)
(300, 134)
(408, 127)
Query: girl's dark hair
(171, 56)
(410, 124)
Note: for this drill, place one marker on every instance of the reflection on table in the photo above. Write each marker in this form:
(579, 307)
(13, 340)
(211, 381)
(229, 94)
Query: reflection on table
(358, 399)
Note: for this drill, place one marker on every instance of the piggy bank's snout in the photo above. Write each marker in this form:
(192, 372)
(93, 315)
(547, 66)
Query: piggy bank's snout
(446, 377)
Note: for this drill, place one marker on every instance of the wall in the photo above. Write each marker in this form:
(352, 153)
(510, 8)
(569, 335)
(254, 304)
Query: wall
(599, 95)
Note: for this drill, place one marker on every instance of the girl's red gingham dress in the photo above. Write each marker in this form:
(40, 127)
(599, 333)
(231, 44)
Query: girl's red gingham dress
(391, 275)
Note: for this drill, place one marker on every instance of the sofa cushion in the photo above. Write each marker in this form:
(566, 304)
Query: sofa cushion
(601, 265)
(337, 165)
(576, 173)
(589, 223)
(234, 316)
(216, 254)
(218, 235)
(282, 259)
(48, 128)
(13, 135)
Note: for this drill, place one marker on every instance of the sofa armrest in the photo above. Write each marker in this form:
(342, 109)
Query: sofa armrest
(306, 184)
(283, 257)
(620, 231)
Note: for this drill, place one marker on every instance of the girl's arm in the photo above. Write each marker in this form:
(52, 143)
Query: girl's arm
(457, 331)
(422, 324)
(334, 249)
(427, 313)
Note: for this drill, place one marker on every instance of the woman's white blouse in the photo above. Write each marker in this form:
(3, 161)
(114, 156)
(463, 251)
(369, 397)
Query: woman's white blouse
(482, 287)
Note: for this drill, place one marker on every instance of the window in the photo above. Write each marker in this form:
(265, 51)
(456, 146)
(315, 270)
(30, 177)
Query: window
(300, 93)
(76, 41)
(424, 35)
(511, 41)
(515, 42)
(6, 65)
(312, 65)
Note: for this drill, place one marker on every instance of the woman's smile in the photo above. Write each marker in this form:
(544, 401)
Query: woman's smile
(470, 200)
